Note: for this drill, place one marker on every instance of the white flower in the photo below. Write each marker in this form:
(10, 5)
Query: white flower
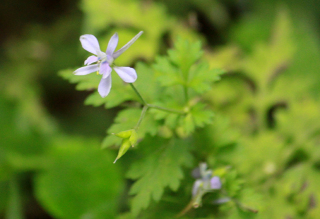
(105, 61)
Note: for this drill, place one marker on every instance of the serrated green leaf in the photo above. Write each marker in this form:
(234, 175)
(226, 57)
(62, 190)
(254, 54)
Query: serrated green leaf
(84, 82)
(146, 83)
(185, 54)
(232, 183)
(187, 124)
(198, 117)
(120, 91)
(94, 99)
(167, 74)
(159, 170)
(172, 120)
(201, 77)
(201, 115)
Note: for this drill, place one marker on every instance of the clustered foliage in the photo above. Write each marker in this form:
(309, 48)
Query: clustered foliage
(244, 109)
(172, 82)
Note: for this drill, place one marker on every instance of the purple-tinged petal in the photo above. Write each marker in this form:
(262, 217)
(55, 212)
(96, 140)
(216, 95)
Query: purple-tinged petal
(90, 60)
(104, 86)
(221, 200)
(196, 173)
(86, 70)
(196, 187)
(113, 42)
(90, 43)
(207, 175)
(105, 69)
(215, 183)
(127, 74)
(125, 47)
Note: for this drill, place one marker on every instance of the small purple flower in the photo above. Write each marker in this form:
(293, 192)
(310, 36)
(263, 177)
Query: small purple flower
(215, 183)
(104, 61)
(204, 184)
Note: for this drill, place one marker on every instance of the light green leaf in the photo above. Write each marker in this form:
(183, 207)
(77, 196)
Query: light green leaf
(167, 74)
(84, 82)
(201, 115)
(198, 117)
(120, 92)
(201, 77)
(185, 54)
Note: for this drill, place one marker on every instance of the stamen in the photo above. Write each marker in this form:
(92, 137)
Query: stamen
(97, 72)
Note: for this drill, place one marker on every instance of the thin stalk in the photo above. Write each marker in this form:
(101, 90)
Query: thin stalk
(194, 203)
(185, 210)
(139, 95)
(186, 95)
(243, 207)
(185, 75)
(14, 208)
(143, 113)
(166, 109)
(239, 204)
(154, 106)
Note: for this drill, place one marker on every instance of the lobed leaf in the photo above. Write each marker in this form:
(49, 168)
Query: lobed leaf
(185, 54)
(159, 170)
(202, 77)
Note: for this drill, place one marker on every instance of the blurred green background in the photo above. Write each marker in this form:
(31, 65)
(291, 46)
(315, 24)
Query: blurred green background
(51, 164)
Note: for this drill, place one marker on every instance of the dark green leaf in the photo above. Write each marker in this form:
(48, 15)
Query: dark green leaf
(160, 169)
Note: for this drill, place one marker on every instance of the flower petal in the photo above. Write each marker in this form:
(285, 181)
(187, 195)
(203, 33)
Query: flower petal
(86, 70)
(113, 42)
(91, 59)
(90, 43)
(196, 187)
(221, 200)
(105, 69)
(125, 47)
(104, 86)
(215, 183)
(127, 74)
(196, 173)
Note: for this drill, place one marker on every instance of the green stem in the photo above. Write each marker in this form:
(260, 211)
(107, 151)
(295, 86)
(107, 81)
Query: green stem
(185, 210)
(154, 106)
(166, 109)
(144, 110)
(14, 208)
(243, 207)
(139, 95)
(239, 204)
(185, 89)
(146, 106)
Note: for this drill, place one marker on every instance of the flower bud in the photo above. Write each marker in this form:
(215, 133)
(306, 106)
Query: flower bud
(123, 148)
(124, 134)
(129, 139)
(133, 138)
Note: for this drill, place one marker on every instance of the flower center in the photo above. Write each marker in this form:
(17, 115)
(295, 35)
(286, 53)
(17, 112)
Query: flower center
(102, 57)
